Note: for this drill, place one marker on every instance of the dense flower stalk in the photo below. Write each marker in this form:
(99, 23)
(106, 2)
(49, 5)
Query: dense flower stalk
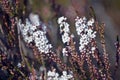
(32, 34)
(64, 29)
(85, 30)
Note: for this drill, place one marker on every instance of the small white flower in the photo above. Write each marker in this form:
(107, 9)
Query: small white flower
(49, 73)
(93, 35)
(30, 39)
(65, 38)
(49, 78)
(19, 65)
(90, 22)
(64, 50)
(33, 28)
(79, 30)
(84, 19)
(72, 35)
(66, 28)
(81, 48)
(69, 76)
(89, 32)
(56, 75)
(34, 18)
(52, 73)
(93, 49)
(61, 19)
(64, 73)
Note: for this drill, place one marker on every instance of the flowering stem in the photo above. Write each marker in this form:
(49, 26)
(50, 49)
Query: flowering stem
(105, 55)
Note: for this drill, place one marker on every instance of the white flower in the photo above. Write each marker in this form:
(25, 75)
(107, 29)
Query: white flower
(33, 28)
(66, 28)
(64, 73)
(65, 38)
(79, 30)
(93, 35)
(81, 48)
(28, 39)
(64, 51)
(19, 65)
(49, 78)
(84, 36)
(56, 75)
(89, 31)
(84, 19)
(69, 76)
(79, 20)
(24, 33)
(72, 35)
(52, 75)
(44, 27)
(34, 18)
(90, 22)
(49, 73)
(93, 49)
(61, 19)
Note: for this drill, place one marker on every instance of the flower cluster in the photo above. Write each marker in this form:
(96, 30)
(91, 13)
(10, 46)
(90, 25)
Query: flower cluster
(34, 19)
(64, 29)
(53, 75)
(84, 28)
(64, 51)
(31, 34)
